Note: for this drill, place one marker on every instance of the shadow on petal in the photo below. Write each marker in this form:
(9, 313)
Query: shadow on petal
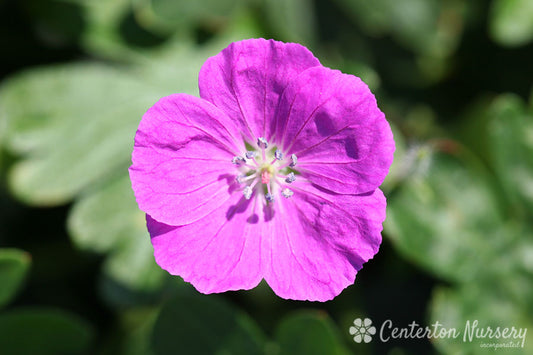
(253, 219)
(239, 207)
(268, 212)
(230, 180)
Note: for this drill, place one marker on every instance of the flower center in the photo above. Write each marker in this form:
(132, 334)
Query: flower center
(265, 172)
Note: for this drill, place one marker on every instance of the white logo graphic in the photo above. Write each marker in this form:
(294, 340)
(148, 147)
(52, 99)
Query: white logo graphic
(362, 330)
(487, 337)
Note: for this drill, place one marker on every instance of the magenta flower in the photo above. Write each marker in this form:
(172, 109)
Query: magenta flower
(272, 174)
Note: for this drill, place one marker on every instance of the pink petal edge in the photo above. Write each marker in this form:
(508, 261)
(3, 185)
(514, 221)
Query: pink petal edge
(247, 78)
(182, 158)
(331, 121)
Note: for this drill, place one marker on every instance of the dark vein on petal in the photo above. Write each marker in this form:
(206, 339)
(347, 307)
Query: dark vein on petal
(182, 192)
(208, 134)
(306, 122)
(265, 95)
(232, 213)
(236, 97)
(243, 246)
(220, 123)
(301, 152)
(284, 225)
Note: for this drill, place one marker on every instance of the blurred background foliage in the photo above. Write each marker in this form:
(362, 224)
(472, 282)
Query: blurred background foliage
(77, 275)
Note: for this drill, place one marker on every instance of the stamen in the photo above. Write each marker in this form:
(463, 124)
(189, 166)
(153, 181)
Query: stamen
(250, 154)
(243, 178)
(247, 192)
(262, 143)
(269, 197)
(238, 161)
(294, 159)
(287, 193)
(278, 154)
(290, 178)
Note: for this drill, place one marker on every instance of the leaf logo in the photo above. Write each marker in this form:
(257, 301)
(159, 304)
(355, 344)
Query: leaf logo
(362, 330)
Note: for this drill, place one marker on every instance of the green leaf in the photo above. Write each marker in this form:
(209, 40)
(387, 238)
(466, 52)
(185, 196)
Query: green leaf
(291, 20)
(14, 265)
(172, 15)
(43, 331)
(510, 133)
(446, 217)
(102, 33)
(488, 305)
(46, 108)
(309, 332)
(137, 324)
(511, 22)
(500, 130)
(109, 220)
(201, 324)
(397, 170)
(428, 27)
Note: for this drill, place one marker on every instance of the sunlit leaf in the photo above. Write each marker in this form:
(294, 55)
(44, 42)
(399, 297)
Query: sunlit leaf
(43, 331)
(446, 217)
(14, 265)
(500, 130)
(511, 22)
(201, 324)
(475, 307)
(510, 133)
(109, 220)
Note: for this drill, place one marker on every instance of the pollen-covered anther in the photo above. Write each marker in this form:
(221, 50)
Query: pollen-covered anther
(262, 143)
(237, 160)
(278, 154)
(247, 192)
(287, 193)
(250, 154)
(294, 160)
(269, 197)
(290, 178)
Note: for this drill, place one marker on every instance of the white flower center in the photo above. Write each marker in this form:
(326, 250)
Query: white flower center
(265, 172)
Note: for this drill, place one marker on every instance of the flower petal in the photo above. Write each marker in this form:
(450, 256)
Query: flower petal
(331, 121)
(181, 159)
(247, 79)
(218, 253)
(320, 240)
